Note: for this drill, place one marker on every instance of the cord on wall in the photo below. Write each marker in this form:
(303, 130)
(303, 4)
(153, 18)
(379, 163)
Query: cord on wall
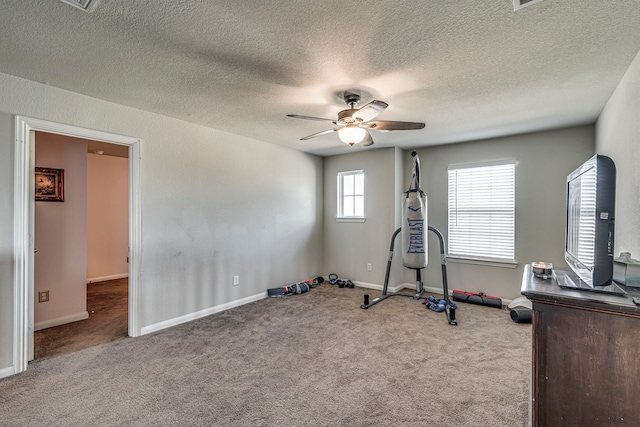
(85, 5)
(519, 4)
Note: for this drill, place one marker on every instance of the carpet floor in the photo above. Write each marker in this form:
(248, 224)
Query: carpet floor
(315, 359)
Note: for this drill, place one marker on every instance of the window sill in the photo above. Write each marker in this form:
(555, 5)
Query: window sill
(350, 219)
(502, 264)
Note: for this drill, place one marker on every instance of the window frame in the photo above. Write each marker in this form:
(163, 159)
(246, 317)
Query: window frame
(340, 216)
(476, 257)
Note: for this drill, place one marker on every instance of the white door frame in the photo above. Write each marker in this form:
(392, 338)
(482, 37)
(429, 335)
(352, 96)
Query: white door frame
(23, 245)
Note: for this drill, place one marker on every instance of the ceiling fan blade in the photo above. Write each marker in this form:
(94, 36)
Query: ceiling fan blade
(392, 125)
(324, 132)
(295, 116)
(369, 111)
(367, 140)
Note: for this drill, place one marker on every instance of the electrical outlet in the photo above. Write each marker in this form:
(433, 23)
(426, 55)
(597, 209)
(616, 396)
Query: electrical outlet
(236, 280)
(43, 296)
(368, 266)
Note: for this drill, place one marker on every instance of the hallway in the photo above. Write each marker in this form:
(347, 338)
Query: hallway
(107, 304)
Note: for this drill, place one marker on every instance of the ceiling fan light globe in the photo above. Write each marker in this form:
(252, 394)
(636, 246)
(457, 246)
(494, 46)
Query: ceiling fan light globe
(351, 134)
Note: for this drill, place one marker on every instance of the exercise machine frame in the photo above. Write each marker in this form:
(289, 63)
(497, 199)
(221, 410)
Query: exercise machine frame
(450, 311)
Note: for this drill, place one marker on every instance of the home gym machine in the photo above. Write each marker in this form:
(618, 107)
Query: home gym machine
(414, 245)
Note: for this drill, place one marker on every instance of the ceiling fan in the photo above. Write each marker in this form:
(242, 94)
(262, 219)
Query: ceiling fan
(354, 123)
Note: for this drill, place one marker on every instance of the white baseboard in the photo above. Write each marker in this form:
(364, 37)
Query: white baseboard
(106, 278)
(200, 314)
(411, 286)
(61, 321)
(378, 287)
(432, 289)
(400, 287)
(7, 372)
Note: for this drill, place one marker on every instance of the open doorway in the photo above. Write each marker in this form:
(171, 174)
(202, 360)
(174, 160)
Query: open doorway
(24, 207)
(107, 322)
(81, 240)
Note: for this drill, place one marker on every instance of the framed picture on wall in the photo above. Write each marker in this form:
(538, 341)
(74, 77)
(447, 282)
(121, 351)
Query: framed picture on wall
(49, 185)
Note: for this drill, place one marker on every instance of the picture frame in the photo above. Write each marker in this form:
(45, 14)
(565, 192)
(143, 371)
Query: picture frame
(49, 185)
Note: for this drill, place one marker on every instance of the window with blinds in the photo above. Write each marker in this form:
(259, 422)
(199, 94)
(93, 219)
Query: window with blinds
(482, 211)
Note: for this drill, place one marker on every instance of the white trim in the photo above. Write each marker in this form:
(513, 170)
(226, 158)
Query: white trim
(23, 225)
(135, 240)
(7, 372)
(457, 166)
(61, 321)
(502, 264)
(375, 286)
(340, 191)
(350, 219)
(202, 313)
(106, 278)
(431, 289)
(21, 243)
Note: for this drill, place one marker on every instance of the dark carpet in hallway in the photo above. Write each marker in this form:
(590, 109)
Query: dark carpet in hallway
(108, 316)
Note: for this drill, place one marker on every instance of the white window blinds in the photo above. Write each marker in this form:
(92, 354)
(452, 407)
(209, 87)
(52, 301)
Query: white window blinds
(482, 211)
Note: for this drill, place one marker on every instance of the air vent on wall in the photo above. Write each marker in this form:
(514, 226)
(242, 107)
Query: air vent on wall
(85, 5)
(519, 4)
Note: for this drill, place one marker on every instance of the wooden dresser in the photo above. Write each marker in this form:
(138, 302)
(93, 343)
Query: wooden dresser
(586, 356)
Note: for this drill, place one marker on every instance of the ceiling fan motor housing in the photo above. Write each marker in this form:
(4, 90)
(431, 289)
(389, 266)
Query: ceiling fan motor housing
(345, 117)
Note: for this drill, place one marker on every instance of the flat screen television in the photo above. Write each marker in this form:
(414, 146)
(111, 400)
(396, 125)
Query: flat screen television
(589, 230)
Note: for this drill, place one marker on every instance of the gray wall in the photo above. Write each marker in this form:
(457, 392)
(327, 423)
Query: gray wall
(214, 205)
(543, 162)
(349, 246)
(6, 240)
(618, 136)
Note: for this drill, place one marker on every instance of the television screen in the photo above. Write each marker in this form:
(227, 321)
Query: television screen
(590, 221)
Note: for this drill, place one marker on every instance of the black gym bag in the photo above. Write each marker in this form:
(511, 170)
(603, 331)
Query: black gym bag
(298, 288)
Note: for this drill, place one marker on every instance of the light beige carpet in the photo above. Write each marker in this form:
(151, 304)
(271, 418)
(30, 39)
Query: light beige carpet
(315, 359)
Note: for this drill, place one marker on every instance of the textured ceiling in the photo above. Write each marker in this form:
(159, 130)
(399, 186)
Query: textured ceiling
(469, 69)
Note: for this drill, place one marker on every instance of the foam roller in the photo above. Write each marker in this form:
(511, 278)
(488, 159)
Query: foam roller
(477, 298)
(521, 315)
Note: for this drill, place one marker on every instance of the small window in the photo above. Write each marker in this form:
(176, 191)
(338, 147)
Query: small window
(351, 194)
(482, 212)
